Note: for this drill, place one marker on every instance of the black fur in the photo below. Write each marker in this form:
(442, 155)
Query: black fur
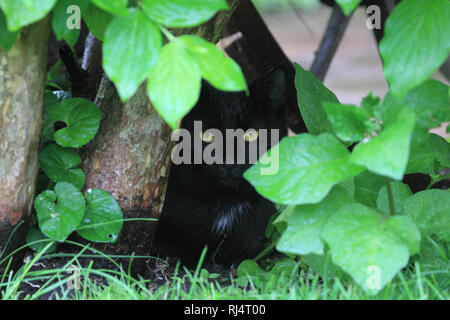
(213, 204)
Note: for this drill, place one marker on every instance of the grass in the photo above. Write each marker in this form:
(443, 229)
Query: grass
(301, 284)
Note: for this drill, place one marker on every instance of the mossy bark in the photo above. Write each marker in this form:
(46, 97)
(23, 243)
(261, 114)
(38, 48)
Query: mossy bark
(22, 76)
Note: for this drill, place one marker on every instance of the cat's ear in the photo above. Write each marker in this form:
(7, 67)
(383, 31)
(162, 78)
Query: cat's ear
(272, 86)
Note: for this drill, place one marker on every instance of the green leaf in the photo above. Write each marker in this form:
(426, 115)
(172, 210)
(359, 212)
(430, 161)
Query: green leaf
(400, 192)
(430, 102)
(181, 13)
(130, 50)
(174, 84)
(249, 268)
(348, 121)
(378, 155)
(349, 186)
(34, 234)
(272, 232)
(411, 52)
(286, 267)
(430, 210)
(348, 6)
(281, 222)
(20, 13)
(82, 118)
(102, 221)
(404, 228)
(60, 20)
(369, 247)
(370, 104)
(7, 38)
(303, 234)
(323, 265)
(58, 220)
(48, 128)
(61, 164)
(97, 21)
(367, 187)
(116, 7)
(219, 70)
(311, 93)
(429, 154)
(50, 99)
(307, 167)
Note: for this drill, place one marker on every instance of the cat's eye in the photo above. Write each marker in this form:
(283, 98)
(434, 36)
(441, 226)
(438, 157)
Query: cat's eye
(250, 135)
(208, 137)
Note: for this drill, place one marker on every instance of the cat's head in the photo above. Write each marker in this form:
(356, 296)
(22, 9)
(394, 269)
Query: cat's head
(252, 120)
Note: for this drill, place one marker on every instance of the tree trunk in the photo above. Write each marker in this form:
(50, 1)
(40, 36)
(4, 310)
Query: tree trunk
(130, 155)
(22, 76)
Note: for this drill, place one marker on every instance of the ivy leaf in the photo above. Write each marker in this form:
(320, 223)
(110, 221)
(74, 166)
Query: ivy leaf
(367, 187)
(348, 121)
(82, 118)
(7, 38)
(281, 222)
(369, 247)
(307, 167)
(348, 6)
(430, 210)
(20, 13)
(174, 84)
(430, 102)
(181, 13)
(34, 234)
(116, 7)
(97, 20)
(377, 154)
(411, 52)
(50, 99)
(249, 268)
(130, 50)
(400, 192)
(60, 164)
(60, 211)
(60, 17)
(48, 128)
(323, 265)
(404, 228)
(311, 93)
(304, 230)
(370, 104)
(219, 70)
(429, 154)
(102, 221)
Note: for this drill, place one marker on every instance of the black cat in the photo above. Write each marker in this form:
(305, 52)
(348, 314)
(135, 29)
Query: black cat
(212, 204)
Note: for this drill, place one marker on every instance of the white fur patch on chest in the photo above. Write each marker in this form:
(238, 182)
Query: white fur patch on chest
(230, 215)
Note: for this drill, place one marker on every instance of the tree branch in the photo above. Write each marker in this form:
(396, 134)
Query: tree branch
(333, 35)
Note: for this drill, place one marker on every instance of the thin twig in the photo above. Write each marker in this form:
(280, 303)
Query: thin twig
(298, 13)
(333, 35)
